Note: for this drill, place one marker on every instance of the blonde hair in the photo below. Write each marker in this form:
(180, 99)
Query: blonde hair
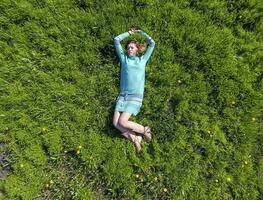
(141, 47)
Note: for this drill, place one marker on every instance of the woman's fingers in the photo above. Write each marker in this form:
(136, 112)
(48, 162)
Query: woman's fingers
(134, 30)
(131, 31)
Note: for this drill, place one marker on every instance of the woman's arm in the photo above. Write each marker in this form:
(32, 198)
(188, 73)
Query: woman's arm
(117, 43)
(150, 47)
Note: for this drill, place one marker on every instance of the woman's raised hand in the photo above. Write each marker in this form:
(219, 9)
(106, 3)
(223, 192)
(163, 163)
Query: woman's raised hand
(134, 29)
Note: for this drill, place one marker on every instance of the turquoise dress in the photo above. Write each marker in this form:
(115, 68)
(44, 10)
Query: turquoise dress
(132, 76)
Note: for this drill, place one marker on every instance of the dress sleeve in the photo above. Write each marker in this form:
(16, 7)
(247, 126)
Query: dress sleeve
(150, 47)
(117, 43)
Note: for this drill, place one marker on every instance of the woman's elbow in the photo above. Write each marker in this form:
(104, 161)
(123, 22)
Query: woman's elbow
(116, 39)
(152, 43)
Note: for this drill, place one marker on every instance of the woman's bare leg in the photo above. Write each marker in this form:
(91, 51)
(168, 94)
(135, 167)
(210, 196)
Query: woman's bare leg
(124, 122)
(128, 133)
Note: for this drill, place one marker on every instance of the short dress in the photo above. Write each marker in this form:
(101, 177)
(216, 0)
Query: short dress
(132, 76)
(130, 103)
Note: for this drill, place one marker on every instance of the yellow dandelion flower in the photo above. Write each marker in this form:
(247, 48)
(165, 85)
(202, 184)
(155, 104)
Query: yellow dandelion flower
(245, 162)
(165, 189)
(79, 146)
(78, 151)
(21, 165)
(253, 119)
(155, 178)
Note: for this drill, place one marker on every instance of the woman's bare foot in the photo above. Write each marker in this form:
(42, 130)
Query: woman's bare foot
(137, 143)
(136, 139)
(147, 133)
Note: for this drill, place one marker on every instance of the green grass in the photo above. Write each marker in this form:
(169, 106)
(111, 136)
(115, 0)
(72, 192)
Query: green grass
(59, 79)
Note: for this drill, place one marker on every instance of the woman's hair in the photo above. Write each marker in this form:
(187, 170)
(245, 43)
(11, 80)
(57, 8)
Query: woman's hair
(141, 47)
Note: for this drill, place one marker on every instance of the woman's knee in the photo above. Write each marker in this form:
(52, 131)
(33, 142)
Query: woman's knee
(115, 122)
(115, 119)
(123, 122)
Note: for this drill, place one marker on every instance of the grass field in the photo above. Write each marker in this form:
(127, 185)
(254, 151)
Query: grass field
(59, 79)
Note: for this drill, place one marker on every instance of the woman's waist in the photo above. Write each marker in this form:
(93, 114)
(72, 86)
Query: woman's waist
(131, 94)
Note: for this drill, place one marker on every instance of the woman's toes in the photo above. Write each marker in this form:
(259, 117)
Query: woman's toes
(147, 134)
(139, 138)
(138, 146)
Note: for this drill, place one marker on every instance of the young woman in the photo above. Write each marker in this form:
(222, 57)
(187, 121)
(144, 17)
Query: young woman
(129, 101)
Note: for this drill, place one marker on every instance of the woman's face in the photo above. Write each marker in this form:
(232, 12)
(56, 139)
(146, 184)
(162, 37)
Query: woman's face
(132, 49)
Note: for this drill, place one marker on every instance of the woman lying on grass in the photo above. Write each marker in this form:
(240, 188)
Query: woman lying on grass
(129, 101)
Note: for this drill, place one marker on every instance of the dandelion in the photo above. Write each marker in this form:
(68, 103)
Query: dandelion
(208, 131)
(78, 151)
(21, 165)
(165, 189)
(44, 129)
(216, 180)
(79, 146)
(245, 162)
(179, 81)
(253, 119)
(89, 157)
(47, 185)
(137, 175)
(233, 102)
(228, 179)
(155, 178)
